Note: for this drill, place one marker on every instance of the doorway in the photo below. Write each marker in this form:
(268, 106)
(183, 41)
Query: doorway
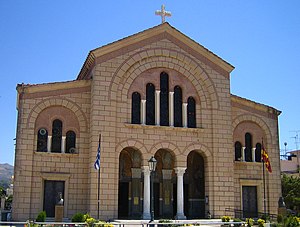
(53, 191)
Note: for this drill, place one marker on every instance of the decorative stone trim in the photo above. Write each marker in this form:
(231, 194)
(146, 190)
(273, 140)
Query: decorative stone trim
(246, 117)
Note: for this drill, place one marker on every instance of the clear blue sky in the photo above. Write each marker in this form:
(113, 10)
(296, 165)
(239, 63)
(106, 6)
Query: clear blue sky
(48, 41)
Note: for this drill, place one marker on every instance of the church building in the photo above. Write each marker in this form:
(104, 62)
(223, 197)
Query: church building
(155, 93)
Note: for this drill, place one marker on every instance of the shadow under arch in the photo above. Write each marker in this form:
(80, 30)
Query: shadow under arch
(130, 188)
(165, 184)
(194, 186)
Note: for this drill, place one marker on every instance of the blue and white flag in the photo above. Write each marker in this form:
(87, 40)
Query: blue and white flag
(97, 162)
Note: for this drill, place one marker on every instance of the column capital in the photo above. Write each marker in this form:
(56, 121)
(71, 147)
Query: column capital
(146, 170)
(180, 170)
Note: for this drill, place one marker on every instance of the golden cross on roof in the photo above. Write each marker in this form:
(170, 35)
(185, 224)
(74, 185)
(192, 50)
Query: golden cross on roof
(163, 13)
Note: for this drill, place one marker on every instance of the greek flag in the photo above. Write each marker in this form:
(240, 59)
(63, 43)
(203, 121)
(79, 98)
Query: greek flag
(97, 162)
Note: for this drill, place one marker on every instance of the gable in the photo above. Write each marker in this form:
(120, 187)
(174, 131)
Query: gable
(155, 34)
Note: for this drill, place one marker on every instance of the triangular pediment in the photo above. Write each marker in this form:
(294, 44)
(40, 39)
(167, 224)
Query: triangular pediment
(162, 31)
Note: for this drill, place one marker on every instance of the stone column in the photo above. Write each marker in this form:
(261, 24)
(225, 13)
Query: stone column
(253, 154)
(63, 144)
(49, 143)
(243, 154)
(180, 199)
(184, 114)
(171, 108)
(157, 107)
(146, 205)
(143, 112)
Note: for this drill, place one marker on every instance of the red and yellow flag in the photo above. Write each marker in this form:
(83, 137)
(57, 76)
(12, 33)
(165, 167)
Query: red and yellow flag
(265, 158)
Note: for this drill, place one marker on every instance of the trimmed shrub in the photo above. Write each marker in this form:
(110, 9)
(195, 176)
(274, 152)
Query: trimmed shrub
(78, 217)
(41, 217)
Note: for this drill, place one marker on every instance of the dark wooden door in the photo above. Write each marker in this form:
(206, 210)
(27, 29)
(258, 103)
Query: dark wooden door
(157, 201)
(123, 208)
(249, 194)
(52, 192)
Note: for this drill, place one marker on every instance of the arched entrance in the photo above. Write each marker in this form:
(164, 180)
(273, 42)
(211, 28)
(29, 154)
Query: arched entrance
(130, 190)
(194, 186)
(165, 185)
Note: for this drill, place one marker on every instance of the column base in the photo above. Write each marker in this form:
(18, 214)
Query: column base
(146, 216)
(180, 217)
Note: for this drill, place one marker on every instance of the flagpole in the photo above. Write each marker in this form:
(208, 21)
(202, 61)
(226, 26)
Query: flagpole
(98, 208)
(264, 182)
(264, 179)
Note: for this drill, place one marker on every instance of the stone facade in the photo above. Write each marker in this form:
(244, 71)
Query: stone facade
(99, 101)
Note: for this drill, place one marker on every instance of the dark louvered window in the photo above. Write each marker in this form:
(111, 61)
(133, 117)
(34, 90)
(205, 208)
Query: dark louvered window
(238, 151)
(191, 112)
(70, 142)
(56, 136)
(258, 152)
(42, 140)
(164, 99)
(150, 104)
(248, 148)
(136, 108)
(177, 106)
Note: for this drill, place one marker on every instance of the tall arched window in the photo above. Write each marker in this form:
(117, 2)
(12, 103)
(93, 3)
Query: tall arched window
(136, 108)
(56, 136)
(258, 152)
(164, 99)
(238, 151)
(150, 104)
(191, 112)
(248, 148)
(42, 140)
(70, 142)
(177, 106)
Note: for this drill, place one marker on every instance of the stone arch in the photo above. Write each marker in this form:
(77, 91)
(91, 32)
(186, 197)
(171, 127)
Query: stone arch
(200, 148)
(173, 148)
(260, 122)
(153, 58)
(134, 144)
(69, 104)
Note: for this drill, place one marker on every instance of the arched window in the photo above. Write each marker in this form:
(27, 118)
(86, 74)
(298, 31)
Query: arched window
(191, 112)
(42, 140)
(150, 104)
(177, 106)
(258, 152)
(136, 108)
(248, 148)
(70, 142)
(164, 99)
(56, 136)
(238, 151)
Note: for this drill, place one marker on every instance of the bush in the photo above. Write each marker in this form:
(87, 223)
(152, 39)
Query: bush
(291, 222)
(237, 220)
(225, 219)
(261, 222)
(78, 217)
(103, 224)
(279, 218)
(249, 221)
(166, 221)
(41, 217)
(90, 221)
